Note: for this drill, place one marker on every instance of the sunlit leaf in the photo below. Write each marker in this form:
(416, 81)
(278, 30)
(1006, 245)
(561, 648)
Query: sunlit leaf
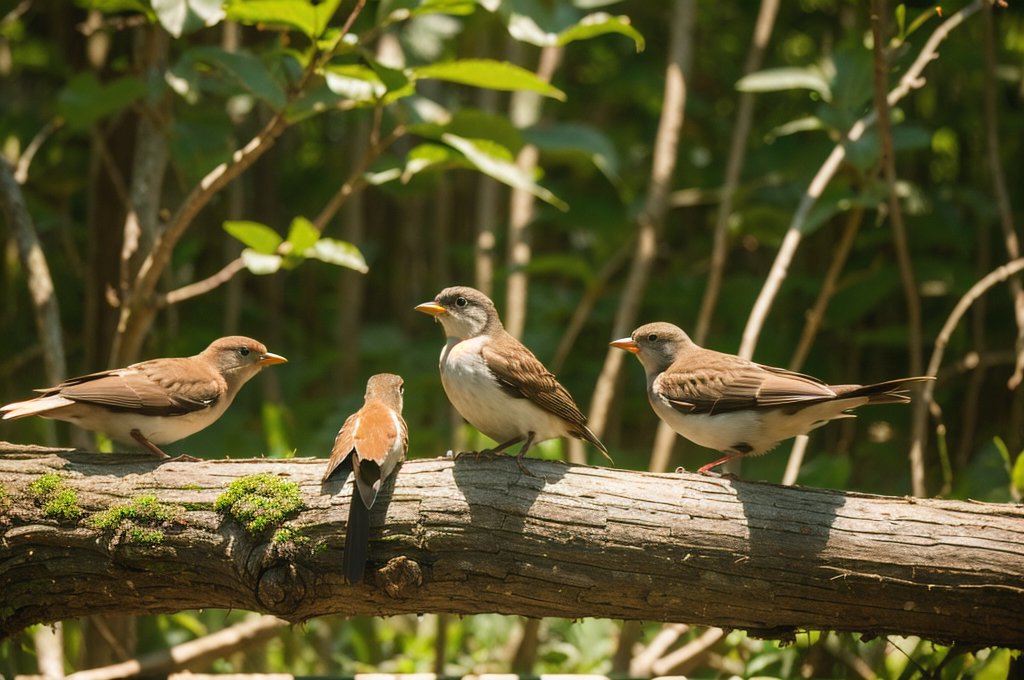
(901, 20)
(354, 81)
(393, 78)
(526, 29)
(184, 16)
(338, 252)
(259, 237)
(298, 14)
(501, 169)
(786, 78)
(260, 263)
(1017, 475)
(488, 73)
(301, 236)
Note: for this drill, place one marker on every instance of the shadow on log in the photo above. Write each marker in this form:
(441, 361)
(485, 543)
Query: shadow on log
(461, 537)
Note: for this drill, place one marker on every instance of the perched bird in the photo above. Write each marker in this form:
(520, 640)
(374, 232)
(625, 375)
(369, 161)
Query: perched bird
(495, 382)
(376, 439)
(153, 402)
(735, 406)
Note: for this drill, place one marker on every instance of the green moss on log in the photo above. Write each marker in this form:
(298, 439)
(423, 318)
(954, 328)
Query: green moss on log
(141, 520)
(57, 499)
(260, 502)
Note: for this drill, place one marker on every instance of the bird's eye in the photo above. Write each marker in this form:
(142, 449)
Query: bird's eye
(243, 351)
(461, 302)
(652, 337)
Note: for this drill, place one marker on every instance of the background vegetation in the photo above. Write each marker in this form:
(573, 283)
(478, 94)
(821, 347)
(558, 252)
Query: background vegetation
(132, 104)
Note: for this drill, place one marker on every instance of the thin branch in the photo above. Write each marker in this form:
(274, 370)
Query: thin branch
(910, 80)
(40, 283)
(999, 187)
(734, 168)
(25, 160)
(119, 23)
(651, 219)
(254, 630)
(202, 287)
(683, 660)
(640, 666)
(899, 231)
(919, 434)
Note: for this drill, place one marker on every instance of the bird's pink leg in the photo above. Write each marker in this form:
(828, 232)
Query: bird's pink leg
(707, 468)
(155, 450)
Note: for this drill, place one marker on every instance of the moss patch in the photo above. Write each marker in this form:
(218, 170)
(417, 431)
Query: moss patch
(5, 500)
(260, 501)
(58, 500)
(141, 520)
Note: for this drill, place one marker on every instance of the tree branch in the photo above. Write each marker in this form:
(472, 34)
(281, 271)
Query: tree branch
(463, 537)
(919, 432)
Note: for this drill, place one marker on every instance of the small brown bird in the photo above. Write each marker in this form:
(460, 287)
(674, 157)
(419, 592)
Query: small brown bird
(735, 406)
(153, 402)
(377, 440)
(497, 384)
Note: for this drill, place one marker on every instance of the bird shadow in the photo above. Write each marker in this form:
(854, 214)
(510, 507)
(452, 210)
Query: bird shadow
(499, 494)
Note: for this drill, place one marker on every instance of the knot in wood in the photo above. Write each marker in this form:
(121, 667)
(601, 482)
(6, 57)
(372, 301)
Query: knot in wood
(400, 577)
(280, 589)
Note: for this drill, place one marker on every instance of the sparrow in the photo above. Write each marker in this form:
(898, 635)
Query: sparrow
(497, 384)
(741, 408)
(153, 402)
(376, 440)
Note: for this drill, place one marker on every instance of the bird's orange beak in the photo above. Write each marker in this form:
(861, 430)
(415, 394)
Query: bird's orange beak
(626, 344)
(269, 359)
(431, 308)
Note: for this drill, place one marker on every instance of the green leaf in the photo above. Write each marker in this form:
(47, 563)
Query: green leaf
(312, 102)
(246, 69)
(393, 79)
(114, 6)
(1017, 475)
(338, 252)
(323, 13)
(431, 157)
(259, 237)
(260, 263)
(901, 20)
(184, 16)
(355, 81)
(401, 10)
(786, 78)
(501, 169)
(85, 100)
(601, 23)
(580, 139)
(297, 14)
(301, 236)
(1004, 452)
(490, 74)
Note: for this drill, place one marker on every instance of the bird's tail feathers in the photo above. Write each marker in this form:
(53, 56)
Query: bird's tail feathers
(888, 392)
(32, 407)
(586, 435)
(357, 540)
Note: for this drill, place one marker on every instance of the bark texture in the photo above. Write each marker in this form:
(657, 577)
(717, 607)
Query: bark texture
(467, 537)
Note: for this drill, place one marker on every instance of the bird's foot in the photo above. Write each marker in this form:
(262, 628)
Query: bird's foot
(183, 458)
(486, 454)
(522, 466)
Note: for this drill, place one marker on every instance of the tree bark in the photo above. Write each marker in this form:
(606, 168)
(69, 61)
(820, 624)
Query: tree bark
(467, 537)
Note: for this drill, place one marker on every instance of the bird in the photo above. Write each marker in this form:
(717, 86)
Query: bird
(375, 438)
(153, 402)
(495, 382)
(735, 406)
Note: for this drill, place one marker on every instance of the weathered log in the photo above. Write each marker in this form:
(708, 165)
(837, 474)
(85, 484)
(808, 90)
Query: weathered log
(468, 537)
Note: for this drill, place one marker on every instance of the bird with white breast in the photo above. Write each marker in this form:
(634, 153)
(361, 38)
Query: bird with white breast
(741, 408)
(154, 402)
(495, 382)
(374, 440)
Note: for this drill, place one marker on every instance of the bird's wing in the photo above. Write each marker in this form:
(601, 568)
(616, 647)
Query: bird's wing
(522, 376)
(343, 445)
(717, 390)
(151, 388)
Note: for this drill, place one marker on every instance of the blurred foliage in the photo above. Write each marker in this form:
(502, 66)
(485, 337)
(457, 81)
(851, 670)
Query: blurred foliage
(79, 64)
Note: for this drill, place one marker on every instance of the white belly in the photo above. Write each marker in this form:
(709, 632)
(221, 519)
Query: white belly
(759, 429)
(160, 431)
(475, 394)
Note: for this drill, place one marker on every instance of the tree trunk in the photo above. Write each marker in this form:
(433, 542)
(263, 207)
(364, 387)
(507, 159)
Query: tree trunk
(467, 537)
